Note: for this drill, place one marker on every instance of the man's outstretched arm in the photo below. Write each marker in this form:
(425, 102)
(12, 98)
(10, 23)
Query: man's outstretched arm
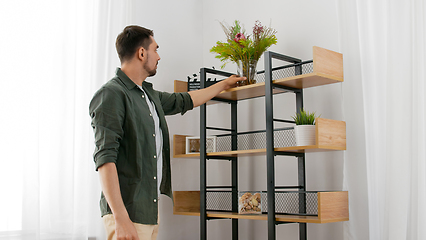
(201, 96)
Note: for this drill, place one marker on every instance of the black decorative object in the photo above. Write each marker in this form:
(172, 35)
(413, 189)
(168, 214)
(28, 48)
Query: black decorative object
(194, 82)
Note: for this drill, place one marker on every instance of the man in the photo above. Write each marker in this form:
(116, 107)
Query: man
(132, 151)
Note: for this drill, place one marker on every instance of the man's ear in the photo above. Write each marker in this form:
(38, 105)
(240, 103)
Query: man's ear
(141, 53)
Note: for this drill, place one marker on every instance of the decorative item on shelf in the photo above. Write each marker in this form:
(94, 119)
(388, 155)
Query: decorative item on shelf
(249, 203)
(195, 84)
(305, 128)
(193, 144)
(248, 70)
(243, 50)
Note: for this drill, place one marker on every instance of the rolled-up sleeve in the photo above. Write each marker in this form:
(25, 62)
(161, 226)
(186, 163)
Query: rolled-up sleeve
(107, 113)
(174, 103)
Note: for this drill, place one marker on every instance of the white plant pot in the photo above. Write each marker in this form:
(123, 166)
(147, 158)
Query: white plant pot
(305, 135)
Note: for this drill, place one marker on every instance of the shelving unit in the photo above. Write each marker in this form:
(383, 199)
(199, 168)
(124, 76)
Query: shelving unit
(330, 136)
(332, 207)
(325, 68)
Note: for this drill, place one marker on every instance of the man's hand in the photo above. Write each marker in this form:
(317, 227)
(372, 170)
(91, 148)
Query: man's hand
(125, 229)
(232, 81)
(201, 96)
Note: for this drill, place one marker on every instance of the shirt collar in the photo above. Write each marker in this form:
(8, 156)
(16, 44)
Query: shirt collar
(128, 82)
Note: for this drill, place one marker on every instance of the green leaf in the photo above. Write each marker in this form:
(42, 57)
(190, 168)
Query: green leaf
(305, 118)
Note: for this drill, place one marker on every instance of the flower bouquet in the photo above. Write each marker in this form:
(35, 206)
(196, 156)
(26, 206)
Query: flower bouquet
(244, 50)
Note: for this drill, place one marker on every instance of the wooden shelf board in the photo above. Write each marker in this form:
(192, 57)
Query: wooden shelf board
(256, 152)
(332, 207)
(258, 89)
(197, 155)
(279, 217)
(239, 153)
(330, 136)
(246, 92)
(308, 80)
(187, 213)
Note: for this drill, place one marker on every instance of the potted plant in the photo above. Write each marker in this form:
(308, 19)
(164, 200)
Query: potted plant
(305, 128)
(245, 50)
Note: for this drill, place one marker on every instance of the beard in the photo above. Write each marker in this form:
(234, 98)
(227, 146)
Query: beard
(151, 72)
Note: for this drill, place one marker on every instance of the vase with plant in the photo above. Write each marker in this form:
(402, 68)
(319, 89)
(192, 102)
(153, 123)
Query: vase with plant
(305, 128)
(244, 50)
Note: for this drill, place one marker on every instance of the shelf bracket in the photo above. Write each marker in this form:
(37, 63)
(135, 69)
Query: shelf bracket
(290, 89)
(223, 100)
(215, 218)
(220, 129)
(210, 187)
(279, 223)
(292, 154)
(283, 120)
(289, 187)
(219, 158)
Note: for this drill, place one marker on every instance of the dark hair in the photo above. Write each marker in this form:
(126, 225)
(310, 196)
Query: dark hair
(132, 38)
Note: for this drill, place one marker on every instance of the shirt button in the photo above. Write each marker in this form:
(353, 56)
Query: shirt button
(143, 96)
(155, 178)
(155, 200)
(153, 135)
(150, 115)
(155, 156)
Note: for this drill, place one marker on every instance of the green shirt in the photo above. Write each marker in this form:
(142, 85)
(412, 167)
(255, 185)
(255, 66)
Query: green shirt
(124, 130)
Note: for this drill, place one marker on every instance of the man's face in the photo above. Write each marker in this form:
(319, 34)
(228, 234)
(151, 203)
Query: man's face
(152, 58)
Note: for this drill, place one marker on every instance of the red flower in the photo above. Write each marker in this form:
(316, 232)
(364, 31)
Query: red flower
(239, 37)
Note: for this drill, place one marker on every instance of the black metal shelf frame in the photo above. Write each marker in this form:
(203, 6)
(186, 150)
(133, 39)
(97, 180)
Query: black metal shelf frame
(203, 157)
(270, 153)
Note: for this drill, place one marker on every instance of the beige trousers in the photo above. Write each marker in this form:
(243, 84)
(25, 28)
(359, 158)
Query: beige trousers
(145, 232)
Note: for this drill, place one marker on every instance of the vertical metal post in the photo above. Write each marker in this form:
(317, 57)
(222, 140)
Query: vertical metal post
(299, 100)
(302, 196)
(234, 170)
(203, 162)
(298, 70)
(270, 146)
(301, 174)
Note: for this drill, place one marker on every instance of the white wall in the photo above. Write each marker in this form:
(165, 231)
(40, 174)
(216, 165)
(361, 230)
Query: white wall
(185, 31)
